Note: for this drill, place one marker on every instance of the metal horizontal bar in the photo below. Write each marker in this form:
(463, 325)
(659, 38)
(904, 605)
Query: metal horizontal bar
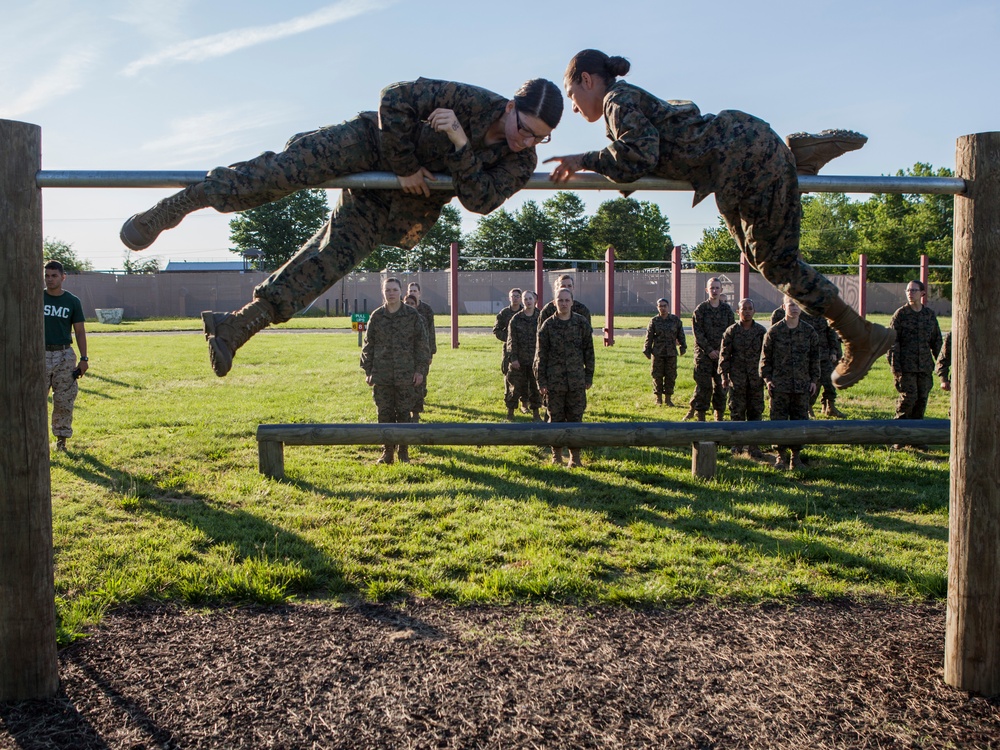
(539, 181)
(594, 434)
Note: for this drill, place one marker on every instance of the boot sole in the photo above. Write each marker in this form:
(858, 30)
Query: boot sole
(130, 243)
(841, 382)
(218, 356)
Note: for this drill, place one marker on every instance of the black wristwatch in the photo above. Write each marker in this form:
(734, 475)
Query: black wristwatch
(84, 359)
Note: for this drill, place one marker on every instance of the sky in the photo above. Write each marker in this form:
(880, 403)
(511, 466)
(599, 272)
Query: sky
(184, 85)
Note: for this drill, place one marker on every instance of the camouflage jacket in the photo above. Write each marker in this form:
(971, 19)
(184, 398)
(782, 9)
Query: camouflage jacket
(944, 359)
(550, 309)
(484, 175)
(564, 358)
(664, 336)
(395, 346)
(427, 312)
(708, 324)
(723, 153)
(918, 340)
(503, 323)
(522, 337)
(790, 357)
(829, 341)
(739, 357)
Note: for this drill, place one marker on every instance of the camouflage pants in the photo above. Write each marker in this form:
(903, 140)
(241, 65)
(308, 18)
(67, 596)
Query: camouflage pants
(523, 388)
(763, 212)
(361, 221)
(566, 406)
(664, 372)
(708, 390)
(825, 381)
(746, 400)
(59, 368)
(393, 403)
(785, 405)
(914, 389)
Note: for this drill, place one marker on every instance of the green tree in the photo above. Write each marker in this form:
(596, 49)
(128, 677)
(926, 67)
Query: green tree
(280, 228)
(135, 263)
(433, 252)
(570, 232)
(829, 232)
(636, 230)
(63, 252)
(716, 247)
(506, 235)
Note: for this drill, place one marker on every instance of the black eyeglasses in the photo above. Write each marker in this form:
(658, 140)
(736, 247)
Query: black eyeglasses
(527, 131)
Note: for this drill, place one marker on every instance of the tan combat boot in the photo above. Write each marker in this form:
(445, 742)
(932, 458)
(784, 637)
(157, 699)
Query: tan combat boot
(574, 459)
(659, 399)
(720, 415)
(142, 229)
(667, 401)
(387, 456)
(699, 416)
(404, 454)
(782, 463)
(813, 151)
(864, 343)
(227, 332)
(830, 409)
(557, 457)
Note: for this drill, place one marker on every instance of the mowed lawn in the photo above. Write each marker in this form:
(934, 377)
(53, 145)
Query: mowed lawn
(160, 496)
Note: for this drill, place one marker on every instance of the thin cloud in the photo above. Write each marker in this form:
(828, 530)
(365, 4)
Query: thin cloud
(66, 75)
(211, 135)
(219, 45)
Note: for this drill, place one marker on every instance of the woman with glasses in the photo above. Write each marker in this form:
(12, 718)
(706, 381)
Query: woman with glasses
(740, 159)
(484, 141)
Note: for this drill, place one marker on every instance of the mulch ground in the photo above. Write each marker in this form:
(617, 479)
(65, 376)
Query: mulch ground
(813, 675)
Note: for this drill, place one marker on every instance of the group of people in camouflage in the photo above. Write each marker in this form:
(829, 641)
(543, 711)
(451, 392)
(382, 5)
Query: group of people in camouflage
(486, 144)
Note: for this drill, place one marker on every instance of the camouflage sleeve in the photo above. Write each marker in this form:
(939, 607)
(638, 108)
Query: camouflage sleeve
(588, 353)
(814, 369)
(421, 346)
(513, 340)
(647, 345)
(700, 334)
(767, 356)
(540, 364)
(500, 327)
(726, 352)
(944, 359)
(635, 148)
(482, 190)
(403, 105)
(936, 340)
(893, 354)
(368, 349)
(681, 340)
(833, 341)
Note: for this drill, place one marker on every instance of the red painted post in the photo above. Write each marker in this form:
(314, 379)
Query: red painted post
(539, 273)
(862, 285)
(925, 274)
(609, 297)
(675, 281)
(453, 281)
(744, 277)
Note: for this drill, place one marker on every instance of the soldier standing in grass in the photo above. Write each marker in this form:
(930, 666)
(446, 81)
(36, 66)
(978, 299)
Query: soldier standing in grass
(500, 328)
(739, 365)
(63, 318)
(395, 358)
(484, 141)
(522, 340)
(944, 363)
(664, 335)
(564, 367)
(565, 281)
(427, 312)
(708, 322)
(913, 358)
(739, 158)
(830, 353)
(789, 365)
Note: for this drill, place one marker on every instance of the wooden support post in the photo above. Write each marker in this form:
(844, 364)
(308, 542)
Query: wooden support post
(925, 275)
(704, 458)
(28, 665)
(675, 281)
(609, 297)
(271, 458)
(539, 274)
(453, 289)
(972, 637)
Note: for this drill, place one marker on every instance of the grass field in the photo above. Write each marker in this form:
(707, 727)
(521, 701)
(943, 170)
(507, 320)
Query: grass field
(160, 497)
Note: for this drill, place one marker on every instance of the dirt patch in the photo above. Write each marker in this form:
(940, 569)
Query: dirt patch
(812, 675)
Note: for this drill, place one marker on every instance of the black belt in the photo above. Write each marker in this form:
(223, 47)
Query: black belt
(57, 347)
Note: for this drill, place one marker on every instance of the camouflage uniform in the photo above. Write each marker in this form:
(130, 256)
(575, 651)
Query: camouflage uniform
(790, 360)
(549, 309)
(564, 364)
(663, 337)
(830, 351)
(522, 338)
(708, 324)
(61, 313)
(912, 358)
(944, 360)
(739, 362)
(395, 348)
(732, 154)
(427, 313)
(394, 139)
(500, 331)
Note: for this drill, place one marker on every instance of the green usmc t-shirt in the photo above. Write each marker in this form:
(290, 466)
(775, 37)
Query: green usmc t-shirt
(60, 314)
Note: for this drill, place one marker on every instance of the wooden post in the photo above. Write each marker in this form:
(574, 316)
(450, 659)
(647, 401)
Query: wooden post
(675, 281)
(704, 459)
(925, 275)
(972, 637)
(28, 665)
(609, 297)
(539, 273)
(271, 458)
(862, 285)
(453, 288)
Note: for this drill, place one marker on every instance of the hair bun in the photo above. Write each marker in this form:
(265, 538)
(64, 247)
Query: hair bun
(618, 66)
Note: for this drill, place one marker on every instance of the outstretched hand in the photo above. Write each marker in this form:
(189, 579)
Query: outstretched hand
(568, 166)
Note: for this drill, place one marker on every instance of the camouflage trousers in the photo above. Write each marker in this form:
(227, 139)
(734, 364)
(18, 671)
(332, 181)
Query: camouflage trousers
(746, 400)
(523, 388)
(914, 388)
(566, 406)
(361, 221)
(394, 403)
(825, 381)
(664, 372)
(59, 368)
(763, 212)
(785, 405)
(708, 390)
